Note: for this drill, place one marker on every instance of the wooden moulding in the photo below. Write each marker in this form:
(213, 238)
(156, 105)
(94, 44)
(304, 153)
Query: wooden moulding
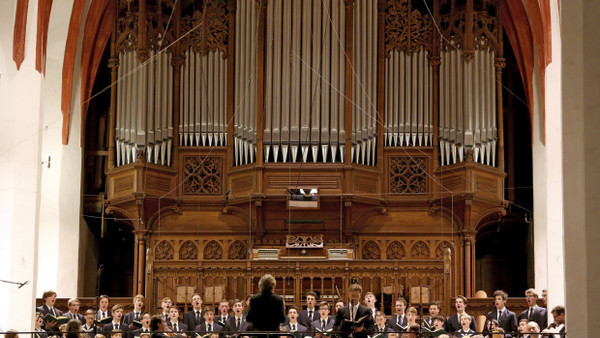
(19, 32)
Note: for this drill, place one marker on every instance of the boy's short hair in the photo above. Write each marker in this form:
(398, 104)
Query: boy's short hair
(355, 287)
(559, 310)
(370, 293)
(413, 328)
(100, 335)
(48, 293)
(311, 293)
(100, 298)
(464, 299)
(523, 320)
(235, 301)
(435, 303)
(116, 332)
(501, 293)
(291, 307)
(208, 309)
(321, 304)
(379, 314)
(440, 318)
(116, 307)
(141, 297)
(166, 299)
(145, 335)
(154, 322)
(412, 310)
(531, 291)
(401, 300)
(465, 315)
(73, 300)
(90, 312)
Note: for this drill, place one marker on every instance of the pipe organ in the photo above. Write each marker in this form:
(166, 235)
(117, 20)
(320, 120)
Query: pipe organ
(305, 70)
(384, 107)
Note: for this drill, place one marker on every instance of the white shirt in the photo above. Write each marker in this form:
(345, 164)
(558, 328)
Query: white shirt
(353, 310)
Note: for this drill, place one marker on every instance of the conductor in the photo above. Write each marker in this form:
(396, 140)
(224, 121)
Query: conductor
(266, 309)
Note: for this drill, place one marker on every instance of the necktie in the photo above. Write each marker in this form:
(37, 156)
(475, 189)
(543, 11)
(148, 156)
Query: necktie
(310, 315)
(499, 314)
(197, 315)
(223, 319)
(323, 324)
(293, 327)
(175, 328)
(103, 314)
(529, 314)
(237, 326)
(116, 326)
(52, 310)
(137, 315)
(209, 327)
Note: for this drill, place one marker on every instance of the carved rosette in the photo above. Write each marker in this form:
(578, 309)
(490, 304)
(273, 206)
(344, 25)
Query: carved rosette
(213, 250)
(164, 251)
(237, 250)
(420, 250)
(188, 251)
(406, 29)
(203, 175)
(395, 251)
(371, 250)
(408, 175)
(441, 250)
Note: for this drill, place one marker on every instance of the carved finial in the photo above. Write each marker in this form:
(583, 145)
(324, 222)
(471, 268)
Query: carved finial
(139, 155)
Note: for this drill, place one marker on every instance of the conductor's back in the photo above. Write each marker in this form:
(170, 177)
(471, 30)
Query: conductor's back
(266, 309)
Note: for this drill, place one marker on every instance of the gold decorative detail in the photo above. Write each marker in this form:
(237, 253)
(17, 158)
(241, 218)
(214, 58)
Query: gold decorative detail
(406, 29)
(395, 251)
(371, 251)
(408, 175)
(203, 175)
(441, 250)
(304, 241)
(213, 250)
(188, 251)
(237, 250)
(420, 249)
(164, 251)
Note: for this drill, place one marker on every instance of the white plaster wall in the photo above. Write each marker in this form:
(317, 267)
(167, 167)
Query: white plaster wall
(20, 157)
(554, 243)
(61, 183)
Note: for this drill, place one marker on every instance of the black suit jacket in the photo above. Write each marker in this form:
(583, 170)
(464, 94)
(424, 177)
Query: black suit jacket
(453, 324)
(79, 317)
(344, 313)
(266, 312)
(202, 328)
(539, 316)
(189, 318)
(138, 332)
(99, 314)
(128, 318)
(303, 317)
(107, 329)
(44, 310)
(231, 324)
(395, 320)
(181, 327)
(299, 328)
(508, 321)
(316, 324)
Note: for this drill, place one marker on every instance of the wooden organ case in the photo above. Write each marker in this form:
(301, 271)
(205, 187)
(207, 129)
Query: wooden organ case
(391, 109)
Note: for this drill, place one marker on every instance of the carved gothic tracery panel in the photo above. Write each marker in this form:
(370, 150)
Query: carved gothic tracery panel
(420, 249)
(203, 175)
(164, 251)
(213, 250)
(406, 29)
(188, 251)
(371, 251)
(237, 250)
(441, 249)
(209, 27)
(408, 175)
(395, 251)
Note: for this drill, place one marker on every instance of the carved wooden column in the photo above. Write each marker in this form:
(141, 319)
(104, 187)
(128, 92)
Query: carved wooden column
(468, 263)
(140, 262)
(177, 60)
(231, 8)
(500, 63)
(434, 61)
(113, 64)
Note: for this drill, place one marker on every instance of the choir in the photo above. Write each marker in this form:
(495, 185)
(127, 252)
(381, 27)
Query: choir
(357, 319)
